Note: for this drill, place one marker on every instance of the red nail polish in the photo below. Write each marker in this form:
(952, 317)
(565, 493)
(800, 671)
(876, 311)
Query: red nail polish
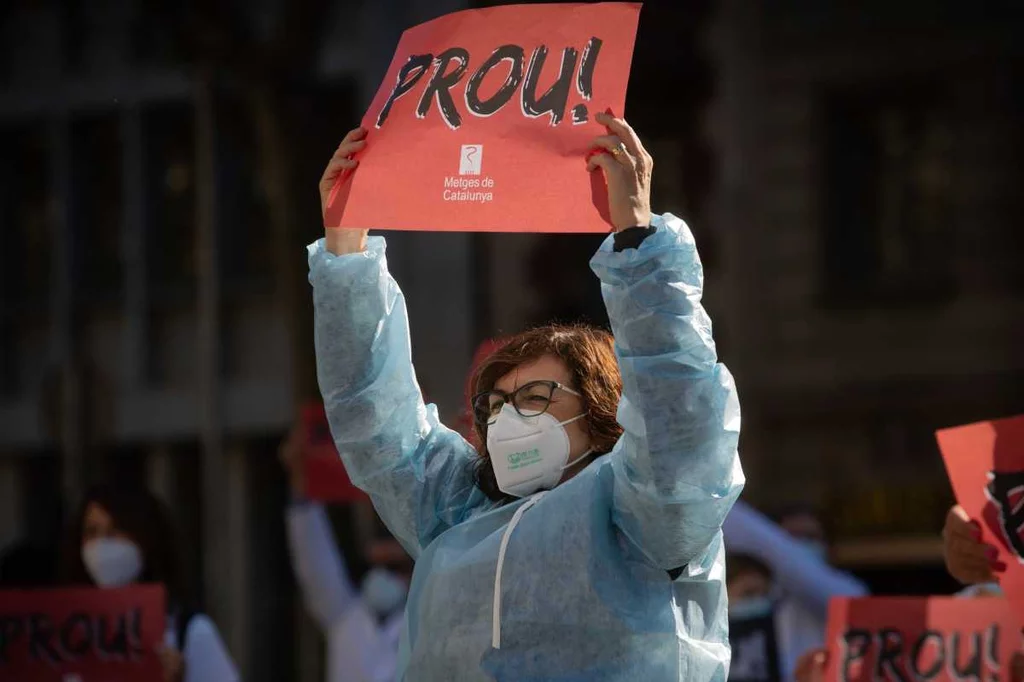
(991, 553)
(997, 566)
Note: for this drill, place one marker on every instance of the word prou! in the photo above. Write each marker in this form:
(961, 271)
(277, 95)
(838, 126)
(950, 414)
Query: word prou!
(80, 635)
(887, 654)
(451, 66)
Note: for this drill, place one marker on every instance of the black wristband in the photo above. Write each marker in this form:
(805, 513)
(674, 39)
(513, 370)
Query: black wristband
(632, 237)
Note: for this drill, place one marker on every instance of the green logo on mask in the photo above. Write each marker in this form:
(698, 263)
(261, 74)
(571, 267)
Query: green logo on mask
(518, 460)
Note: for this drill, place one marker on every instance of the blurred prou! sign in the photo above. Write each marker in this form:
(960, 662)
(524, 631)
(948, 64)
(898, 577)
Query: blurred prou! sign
(932, 639)
(84, 634)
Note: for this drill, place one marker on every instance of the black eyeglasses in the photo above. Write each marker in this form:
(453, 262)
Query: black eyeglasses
(529, 400)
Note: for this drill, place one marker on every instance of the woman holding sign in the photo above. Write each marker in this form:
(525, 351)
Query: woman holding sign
(572, 546)
(124, 536)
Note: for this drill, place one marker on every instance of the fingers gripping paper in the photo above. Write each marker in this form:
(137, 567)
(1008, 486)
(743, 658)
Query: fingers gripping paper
(484, 120)
(985, 462)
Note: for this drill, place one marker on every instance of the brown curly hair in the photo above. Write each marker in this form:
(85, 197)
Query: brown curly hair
(589, 355)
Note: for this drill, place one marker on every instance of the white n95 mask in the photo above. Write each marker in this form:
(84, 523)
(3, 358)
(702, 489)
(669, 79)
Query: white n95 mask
(528, 453)
(383, 591)
(112, 562)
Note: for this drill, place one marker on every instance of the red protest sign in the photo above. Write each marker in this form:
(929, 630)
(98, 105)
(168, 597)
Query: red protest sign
(82, 634)
(921, 638)
(326, 478)
(484, 120)
(985, 462)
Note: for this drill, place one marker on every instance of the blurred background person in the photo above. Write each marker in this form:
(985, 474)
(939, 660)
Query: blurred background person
(804, 582)
(120, 536)
(361, 626)
(752, 620)
(803, 523)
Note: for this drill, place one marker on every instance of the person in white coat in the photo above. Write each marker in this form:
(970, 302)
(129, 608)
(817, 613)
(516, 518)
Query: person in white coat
(804, 582)
(121, 536)
(362, 627)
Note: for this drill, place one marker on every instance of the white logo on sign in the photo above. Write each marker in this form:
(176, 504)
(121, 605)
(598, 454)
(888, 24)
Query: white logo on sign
(469, 159)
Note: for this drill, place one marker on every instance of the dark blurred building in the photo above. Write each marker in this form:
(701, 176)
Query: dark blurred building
(871, 284)
(146, 334)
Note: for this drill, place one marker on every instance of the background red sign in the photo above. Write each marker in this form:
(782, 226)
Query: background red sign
(326, 478)
(484, 120)
(82, 634)
(921, 638)
(985, 462)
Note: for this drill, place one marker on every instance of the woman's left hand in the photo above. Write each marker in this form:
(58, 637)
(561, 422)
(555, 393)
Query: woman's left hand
(627, 168)
(810, 667)
(172, 663)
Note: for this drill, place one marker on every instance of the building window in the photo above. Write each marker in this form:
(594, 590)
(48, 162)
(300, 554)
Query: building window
(25, 207)
(25, 243)
(97, 199)
(169, 139)
(888, 197)
(247, 242)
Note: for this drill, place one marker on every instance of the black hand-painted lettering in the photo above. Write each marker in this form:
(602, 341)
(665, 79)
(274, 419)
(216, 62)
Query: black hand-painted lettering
(515, 56)
(11, 628)
(585, 78)
(921, 649)
(440, 82)
(408, 76)
(854, 646)
(1003, 489)
(75, 636)
(972, 669)
(135, 648)
(554, 100)
(112, 638)
(890, 649)
(40, 638)
(579, 114)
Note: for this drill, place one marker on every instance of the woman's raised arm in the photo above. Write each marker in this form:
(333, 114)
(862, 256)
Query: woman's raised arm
(677, 471)
(418, 472)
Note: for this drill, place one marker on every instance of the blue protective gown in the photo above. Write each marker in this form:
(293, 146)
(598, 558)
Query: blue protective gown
(584, 591)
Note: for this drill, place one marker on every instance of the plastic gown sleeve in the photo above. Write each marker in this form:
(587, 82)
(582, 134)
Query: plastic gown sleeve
(676, 467)
(326, 586)
(418, 472)
(803, 576)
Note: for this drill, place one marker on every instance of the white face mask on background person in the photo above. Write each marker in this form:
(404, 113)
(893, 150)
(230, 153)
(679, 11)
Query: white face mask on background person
(751, 608)
(528, 453)
(112, 562)
(383, 591)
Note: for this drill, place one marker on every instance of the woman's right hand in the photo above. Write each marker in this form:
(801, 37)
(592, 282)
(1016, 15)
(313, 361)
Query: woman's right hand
(342, 240)
(968, 559)
(172, 663)
(810, 667)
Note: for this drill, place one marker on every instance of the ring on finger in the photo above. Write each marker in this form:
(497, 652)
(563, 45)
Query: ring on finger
(619, 150)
